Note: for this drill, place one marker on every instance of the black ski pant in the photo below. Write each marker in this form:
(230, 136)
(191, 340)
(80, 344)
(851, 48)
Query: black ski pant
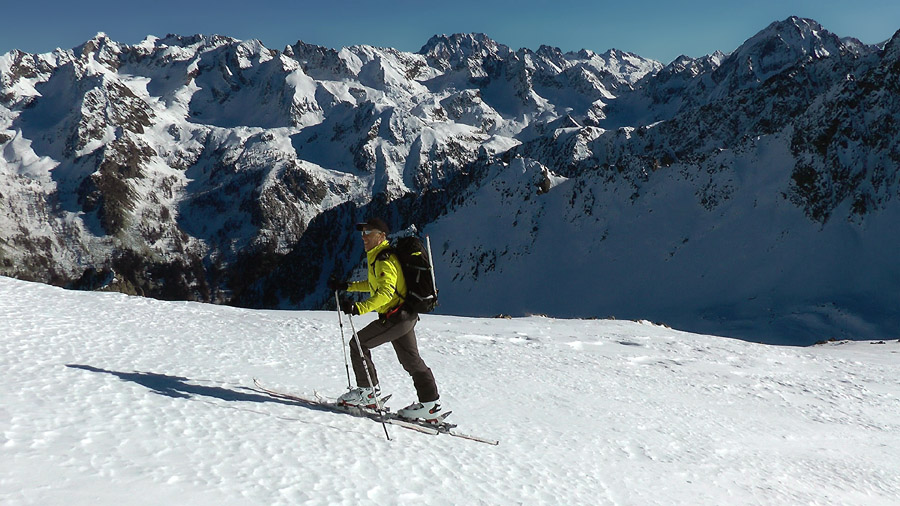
(399, 330)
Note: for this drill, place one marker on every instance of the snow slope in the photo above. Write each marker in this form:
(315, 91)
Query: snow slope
(751, 265)
(111, 399)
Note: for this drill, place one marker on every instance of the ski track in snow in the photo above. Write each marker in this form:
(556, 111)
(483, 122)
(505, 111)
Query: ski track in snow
(110, 399)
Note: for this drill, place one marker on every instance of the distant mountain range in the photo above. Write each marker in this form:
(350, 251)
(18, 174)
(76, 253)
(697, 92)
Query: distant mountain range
(753, 194)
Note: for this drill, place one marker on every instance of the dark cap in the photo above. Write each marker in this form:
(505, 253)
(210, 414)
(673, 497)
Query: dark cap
(376, 224)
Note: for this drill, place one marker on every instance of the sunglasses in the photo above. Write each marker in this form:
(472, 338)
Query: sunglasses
(369, 231)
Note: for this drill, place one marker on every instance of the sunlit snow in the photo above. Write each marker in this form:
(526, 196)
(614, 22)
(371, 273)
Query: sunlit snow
(111, 399)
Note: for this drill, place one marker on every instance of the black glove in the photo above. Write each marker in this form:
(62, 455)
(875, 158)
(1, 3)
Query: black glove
(337, 286)
(349, 307)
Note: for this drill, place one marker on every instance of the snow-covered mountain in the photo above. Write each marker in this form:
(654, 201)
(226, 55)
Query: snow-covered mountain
(759, 204)
(753, 193)
(109, 399)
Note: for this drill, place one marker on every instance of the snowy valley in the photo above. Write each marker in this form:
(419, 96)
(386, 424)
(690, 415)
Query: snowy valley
(113, 399)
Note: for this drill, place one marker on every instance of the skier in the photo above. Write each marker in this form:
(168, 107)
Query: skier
(395, 325)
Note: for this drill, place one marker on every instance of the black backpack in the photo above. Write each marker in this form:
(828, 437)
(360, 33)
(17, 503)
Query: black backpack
(421, 294)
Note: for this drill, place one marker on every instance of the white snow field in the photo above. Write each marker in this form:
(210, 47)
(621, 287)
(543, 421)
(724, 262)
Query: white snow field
(111, 399)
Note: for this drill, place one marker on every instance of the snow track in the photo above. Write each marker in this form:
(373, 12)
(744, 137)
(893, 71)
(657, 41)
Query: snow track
(109, 399)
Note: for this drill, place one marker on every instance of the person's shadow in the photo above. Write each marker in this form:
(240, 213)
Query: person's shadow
(179, 387)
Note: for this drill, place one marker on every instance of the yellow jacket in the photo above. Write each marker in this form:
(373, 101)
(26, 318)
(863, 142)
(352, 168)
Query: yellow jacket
(386, 283)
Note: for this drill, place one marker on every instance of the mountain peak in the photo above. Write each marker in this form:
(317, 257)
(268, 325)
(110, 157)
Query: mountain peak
(796, 22)
(199, 41)
(776, 48)
(800, 36)
(101, 36)
(462, 46)
(693, 66)
(550, 51)
(97, 42)
(892, 47)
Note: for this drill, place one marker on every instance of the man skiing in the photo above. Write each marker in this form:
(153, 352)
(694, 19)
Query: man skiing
(395, 324)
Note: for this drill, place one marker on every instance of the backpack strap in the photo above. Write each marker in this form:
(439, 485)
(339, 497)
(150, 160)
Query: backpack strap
(384, 256)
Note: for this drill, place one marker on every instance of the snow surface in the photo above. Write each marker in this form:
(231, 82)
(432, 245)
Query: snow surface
(111, 399)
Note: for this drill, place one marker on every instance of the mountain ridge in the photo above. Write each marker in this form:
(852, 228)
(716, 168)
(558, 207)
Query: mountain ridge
(208, 168)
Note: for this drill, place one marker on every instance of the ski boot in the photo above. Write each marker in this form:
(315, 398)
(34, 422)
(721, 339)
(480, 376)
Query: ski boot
(428, 411)
(361, 397)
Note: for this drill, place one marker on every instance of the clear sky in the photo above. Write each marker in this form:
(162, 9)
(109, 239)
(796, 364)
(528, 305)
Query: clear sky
(658, 29)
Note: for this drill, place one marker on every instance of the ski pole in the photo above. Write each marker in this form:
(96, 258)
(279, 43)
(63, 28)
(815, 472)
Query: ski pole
(343, 344)
(362, 356)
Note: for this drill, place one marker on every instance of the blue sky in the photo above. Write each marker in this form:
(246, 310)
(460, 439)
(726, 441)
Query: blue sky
(658, 29)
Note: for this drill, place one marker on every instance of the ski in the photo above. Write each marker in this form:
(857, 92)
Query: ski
(318, 402)
(412, 426)
(361, 412)
(440, 427)
(470, 437)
